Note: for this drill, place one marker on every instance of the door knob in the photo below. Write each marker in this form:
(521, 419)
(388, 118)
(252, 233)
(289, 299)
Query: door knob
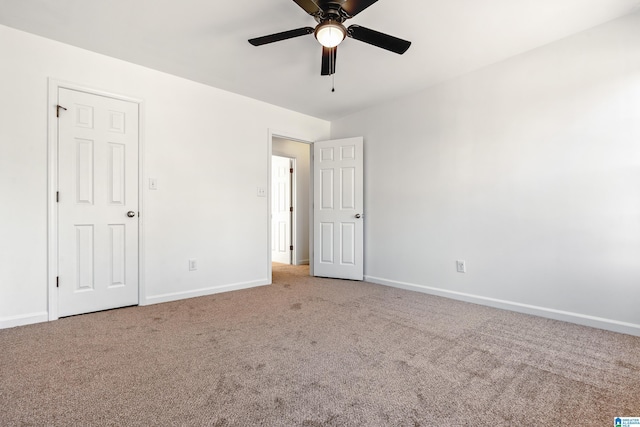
(131, 214)
(358, 216)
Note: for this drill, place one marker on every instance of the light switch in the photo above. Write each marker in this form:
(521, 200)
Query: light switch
(153, 184)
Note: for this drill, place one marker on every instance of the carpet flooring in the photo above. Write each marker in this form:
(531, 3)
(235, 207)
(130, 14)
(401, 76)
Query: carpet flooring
(315, 352)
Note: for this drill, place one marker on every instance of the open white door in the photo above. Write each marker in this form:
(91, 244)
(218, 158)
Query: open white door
(281, 210)
(338, 209)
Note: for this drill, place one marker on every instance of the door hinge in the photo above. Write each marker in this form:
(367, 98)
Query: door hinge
(57, 281)
(291, 209)
(57, 197)
(58, 108)
(291, 247)
(291, 170)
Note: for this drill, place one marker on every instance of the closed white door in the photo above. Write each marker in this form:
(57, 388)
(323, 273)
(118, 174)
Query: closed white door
(98, 203)
(281, 209)
(338, 209)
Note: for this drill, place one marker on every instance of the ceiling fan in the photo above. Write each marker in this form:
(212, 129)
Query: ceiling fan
(330, 31)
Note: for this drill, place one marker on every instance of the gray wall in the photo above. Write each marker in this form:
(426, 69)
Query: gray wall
(208, 149)
(528, 169)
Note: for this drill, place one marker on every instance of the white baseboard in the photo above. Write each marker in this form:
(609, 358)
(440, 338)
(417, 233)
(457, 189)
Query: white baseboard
(23, 319)
(303, 262)
(566, 316)
(174, 296)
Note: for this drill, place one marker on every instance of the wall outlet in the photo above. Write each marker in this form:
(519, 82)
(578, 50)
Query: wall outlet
(262, 192)
(193, 264)
(461, 266)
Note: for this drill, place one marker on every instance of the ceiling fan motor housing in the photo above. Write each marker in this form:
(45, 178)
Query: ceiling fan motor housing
(331, 11)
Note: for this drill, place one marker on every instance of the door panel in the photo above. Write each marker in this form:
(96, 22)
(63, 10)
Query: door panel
(338, 207)
(85, 256)
(116, 173)
(84, 173)
(117, 255)
(98, 185)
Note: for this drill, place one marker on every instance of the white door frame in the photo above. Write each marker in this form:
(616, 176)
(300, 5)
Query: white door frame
(294, 215)
(305, 140)
(52, 187)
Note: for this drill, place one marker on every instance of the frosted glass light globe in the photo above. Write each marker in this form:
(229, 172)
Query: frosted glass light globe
(330, 34)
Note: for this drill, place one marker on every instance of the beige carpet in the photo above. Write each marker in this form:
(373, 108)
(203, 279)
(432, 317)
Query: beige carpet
(314, 352)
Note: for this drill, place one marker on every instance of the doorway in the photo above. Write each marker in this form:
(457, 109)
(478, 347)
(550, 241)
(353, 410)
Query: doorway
(332, 185)
(299, 154)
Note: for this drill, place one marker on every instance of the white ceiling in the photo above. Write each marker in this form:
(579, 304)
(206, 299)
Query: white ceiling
(206, 41)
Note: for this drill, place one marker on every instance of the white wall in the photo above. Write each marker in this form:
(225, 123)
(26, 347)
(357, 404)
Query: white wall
(302, 153)
(528, 169)
(207, 148)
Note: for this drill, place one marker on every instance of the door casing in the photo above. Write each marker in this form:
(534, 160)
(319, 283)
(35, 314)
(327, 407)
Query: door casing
(52, 187)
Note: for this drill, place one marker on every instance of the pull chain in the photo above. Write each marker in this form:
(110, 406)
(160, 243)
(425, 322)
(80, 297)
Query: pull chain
(332, 68)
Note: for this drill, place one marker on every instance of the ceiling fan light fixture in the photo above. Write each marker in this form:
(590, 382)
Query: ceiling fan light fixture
(330, 33)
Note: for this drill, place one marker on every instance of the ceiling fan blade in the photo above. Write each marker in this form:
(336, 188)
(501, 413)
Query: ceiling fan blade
(309, 6)
(328, 60)
(354, 7)
(378, 39)
(259, 41)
